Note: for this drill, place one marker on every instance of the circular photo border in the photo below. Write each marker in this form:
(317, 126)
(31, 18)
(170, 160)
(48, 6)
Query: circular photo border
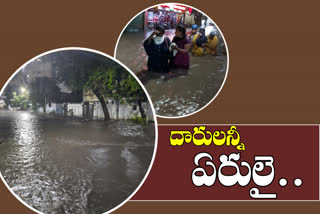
(224, 40)
(142, 86)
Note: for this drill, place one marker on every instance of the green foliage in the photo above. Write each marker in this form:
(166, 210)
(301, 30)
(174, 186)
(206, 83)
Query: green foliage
(104, 77)
(101, 81)
(114, 83)
(20, 101)
(76, 67)
(34, 106)
(15, 101)
(118, 84)
(138, 119)
(132, 91)
(92, 71)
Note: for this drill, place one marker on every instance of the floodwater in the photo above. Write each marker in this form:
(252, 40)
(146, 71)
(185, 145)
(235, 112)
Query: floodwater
(181, 93)
(63, 165)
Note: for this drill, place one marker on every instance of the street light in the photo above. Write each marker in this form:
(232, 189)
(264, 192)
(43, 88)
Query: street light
(22, 90)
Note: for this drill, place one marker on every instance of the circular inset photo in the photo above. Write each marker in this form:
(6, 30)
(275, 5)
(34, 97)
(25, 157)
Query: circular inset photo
(77, 133)
(179, 54)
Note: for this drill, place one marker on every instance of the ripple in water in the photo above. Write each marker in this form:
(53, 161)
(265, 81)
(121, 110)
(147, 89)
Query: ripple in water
(63, 166)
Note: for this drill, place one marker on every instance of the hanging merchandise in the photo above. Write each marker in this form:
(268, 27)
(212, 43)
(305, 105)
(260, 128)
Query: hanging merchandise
(189, 19)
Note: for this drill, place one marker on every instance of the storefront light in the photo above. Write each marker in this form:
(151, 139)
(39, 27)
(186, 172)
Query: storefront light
(180, 7)
(172, 7)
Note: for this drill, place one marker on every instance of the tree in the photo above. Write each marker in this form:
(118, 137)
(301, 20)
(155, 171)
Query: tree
(108, 82)
(117, 84)
(20, 101)
(82, 69)
(133, 92)
(105, 78)
(14, 85)
(100, 83)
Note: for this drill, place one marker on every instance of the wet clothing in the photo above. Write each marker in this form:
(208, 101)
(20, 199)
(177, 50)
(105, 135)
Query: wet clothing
(181, 60)
(201, 40)
(158, 55)
(212, 45)
(197, 43)
(191, 36)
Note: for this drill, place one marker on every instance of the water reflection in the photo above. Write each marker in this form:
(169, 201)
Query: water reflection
(131, 160)
(26, 129)
(187, 93)
(180, 94)
(59, 165)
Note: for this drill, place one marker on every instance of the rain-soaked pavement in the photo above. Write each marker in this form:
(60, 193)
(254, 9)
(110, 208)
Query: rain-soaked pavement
(180, 94)
(63, 165)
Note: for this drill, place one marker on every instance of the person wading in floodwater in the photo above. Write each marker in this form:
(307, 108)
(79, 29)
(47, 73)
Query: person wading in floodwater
(199, 42)
(212, 44)
(157, 49)
(180, 48)
(193, 32)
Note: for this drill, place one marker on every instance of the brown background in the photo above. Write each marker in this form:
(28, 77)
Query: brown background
(171, 175)
(273, 74)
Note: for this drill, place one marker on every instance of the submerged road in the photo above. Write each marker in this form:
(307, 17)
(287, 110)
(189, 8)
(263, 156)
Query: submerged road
(63, 165)
(181, 94)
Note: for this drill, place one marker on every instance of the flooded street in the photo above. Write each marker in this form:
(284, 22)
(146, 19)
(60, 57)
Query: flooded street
(175, 95)
(64, 165)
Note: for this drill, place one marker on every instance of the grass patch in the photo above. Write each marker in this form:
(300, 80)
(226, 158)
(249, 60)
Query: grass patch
(138, 119)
